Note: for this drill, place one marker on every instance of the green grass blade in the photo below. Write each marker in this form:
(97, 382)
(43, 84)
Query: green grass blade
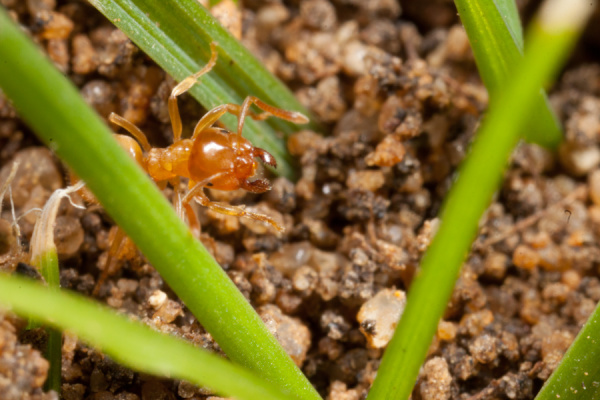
(510, 15)
(45, 258)
(176, 34)
(132, 343)
(494, 32)
(48, 265)
(54, 109)
(578, 375)
(477, 181)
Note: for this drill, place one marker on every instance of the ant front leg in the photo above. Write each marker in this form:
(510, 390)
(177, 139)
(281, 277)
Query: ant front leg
(197, 193)
(133, 130)
(183, 87)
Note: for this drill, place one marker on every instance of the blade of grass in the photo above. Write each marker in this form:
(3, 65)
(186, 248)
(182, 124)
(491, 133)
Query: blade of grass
(578, 374)
(48, 265)
(494, 32)
(510, 15)
(176, 34)
(54, 109)
(132, 343)
(477, 181)
(45, 258)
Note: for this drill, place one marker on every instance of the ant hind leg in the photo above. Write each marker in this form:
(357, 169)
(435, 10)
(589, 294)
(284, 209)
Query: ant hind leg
(118, 243)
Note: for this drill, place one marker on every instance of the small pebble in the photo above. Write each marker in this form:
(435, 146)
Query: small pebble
(525, 257)
(157, 299)
(292, 334)
(436, 380)
(379, 316)
(484, 349)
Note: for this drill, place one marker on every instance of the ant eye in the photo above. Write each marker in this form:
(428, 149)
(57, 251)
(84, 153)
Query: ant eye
(209, 184)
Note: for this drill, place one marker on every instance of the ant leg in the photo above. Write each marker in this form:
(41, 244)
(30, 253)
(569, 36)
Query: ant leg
(209, 119)
(112, 259)
(244, 110)
(132, 129)
(183, 87)
(192, 219)
(197, 193)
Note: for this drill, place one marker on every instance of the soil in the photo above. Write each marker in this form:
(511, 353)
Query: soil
(397, 88)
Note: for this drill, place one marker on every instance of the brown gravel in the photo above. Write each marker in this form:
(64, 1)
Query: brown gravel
(396, 86)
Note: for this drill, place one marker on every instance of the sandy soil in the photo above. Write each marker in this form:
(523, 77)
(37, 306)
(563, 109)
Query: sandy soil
(397, 88)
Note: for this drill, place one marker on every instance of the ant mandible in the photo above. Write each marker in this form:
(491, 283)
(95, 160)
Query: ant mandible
(213, 157)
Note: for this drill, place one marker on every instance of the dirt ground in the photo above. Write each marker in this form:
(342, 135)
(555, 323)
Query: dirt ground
(397, 88)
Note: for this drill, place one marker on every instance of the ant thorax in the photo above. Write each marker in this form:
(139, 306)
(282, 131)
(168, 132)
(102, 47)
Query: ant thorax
(167, 163)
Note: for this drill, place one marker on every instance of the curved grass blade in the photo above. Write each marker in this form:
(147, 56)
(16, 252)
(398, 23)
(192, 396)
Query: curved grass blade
(432, 286)
(578, 375)
(57, 113)
(45, 258)
(177, 34)
(132, 343)
(494, 32)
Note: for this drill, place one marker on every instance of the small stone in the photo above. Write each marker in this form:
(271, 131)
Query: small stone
(389, 152)
(436, 380)
(579, 160)
(446, 330)
(571, 278)
(68, 236)
(170, 310)
(157, 299)
(556, 293)
(37, 168)
(495, 265)
(365, 180)
(484, 349)
(53, 25)
(305, 279)
(472, 324)
(318, 14)
(335, 325)
(84, 55)
(339, 391)
(291, 333)
(74, 391)
(270, 16)
(525, 257)
(331, 348)
(290, 257)
(379, 316)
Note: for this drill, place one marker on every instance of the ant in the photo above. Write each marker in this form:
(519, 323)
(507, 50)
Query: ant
(213, 157)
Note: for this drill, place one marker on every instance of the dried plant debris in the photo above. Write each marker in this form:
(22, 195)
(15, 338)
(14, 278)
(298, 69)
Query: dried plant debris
(398, 88)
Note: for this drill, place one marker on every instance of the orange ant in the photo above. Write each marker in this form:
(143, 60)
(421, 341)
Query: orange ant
(213, 157)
